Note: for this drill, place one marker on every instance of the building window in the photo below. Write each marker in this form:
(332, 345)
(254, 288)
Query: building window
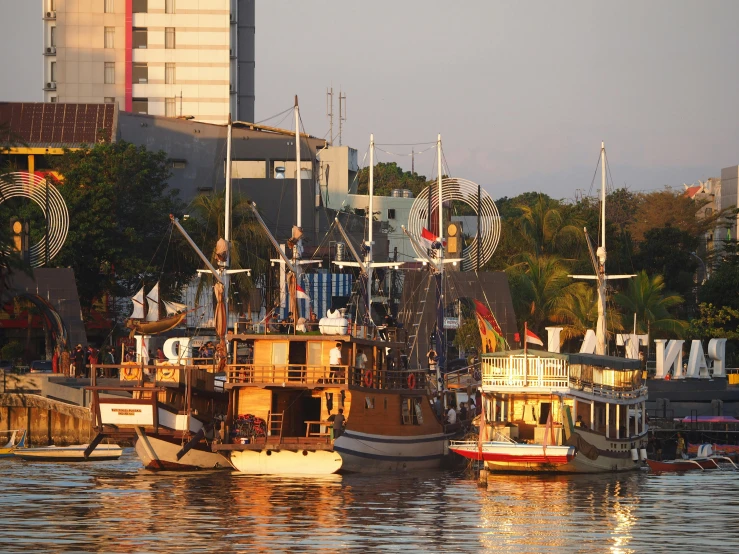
(140, 37)
(169, 41)
(140, 73)
(110, 73)
(391, 213)
(53, 36)
(169, 75)
(52, 99)
(109, 100)
(140, 105)
(168, 6)
(110, 37)
(109, 6)
(179, 164)
(140, 6)
(53, 71)
(170, 107)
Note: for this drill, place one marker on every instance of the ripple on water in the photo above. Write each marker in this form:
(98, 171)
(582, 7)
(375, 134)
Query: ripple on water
(119, 507)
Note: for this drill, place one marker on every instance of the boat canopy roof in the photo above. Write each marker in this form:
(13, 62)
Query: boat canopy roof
(610, 362)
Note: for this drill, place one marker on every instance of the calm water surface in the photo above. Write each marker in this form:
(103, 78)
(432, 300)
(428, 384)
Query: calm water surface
(119, 507)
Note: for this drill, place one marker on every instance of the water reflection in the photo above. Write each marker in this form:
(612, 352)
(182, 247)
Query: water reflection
(119, 507)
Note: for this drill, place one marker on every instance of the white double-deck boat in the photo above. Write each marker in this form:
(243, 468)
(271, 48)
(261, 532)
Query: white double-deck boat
(605, 395)
(594, 403)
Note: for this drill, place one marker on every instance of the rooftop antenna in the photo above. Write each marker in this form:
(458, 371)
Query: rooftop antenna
(342, 112)
(330, 112)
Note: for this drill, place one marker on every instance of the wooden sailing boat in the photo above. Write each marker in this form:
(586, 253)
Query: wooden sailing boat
(146, 317)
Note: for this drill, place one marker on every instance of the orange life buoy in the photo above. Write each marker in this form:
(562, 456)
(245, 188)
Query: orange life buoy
(129, 372)
(411, 381)
(368, 378)
(167, 372)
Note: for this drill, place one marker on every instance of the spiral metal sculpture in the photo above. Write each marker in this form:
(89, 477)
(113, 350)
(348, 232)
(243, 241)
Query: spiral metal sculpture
(461, 190)
(24, 185)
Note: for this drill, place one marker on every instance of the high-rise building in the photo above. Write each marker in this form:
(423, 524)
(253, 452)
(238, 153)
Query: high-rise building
(161, 57)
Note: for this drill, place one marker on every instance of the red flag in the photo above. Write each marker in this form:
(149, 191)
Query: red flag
(531, 338)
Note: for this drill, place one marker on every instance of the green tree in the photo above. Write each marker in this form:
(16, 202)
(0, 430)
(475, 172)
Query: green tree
(714, 322)
(468, 336)
(666, 251)
(119, 206)
(646, 297)
(540, 287)
(250, 248)
(389, 176)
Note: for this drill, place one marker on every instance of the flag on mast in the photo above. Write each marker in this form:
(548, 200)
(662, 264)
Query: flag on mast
(490, 332)
(301, 294)
(531, 338)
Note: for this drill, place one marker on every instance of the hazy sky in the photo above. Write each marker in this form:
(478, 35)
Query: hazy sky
(522, 92)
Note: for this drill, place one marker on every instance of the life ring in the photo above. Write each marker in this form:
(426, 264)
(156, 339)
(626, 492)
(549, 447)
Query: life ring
(368, 378)
(129, 372)
(411, 381)
(166, 372)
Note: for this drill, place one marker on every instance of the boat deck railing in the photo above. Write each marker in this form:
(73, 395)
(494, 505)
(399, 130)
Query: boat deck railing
(520, 371)
(306, 375)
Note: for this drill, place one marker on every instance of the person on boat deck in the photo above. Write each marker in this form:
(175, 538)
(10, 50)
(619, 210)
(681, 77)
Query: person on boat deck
(437, 406)
(287, 323)
(334, 360)
(312, 323)
(580, 422)
(451, 415)
(338, 426)
(79, 361)
(431, 355)
(360, 363)
(462, 412)
(680, 450)
(160, 355)
(130, 357)
(472, 409)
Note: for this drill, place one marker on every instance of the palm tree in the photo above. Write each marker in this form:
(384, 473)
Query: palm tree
(548, 227)
(579, 312)
(645, 296)
(540, 287)
(249, 245)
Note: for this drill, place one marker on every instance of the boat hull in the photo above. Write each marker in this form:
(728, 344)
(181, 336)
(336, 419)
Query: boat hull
(8, 450)
(517, 455)
(286, 462)
(160, 454)
(75, 453)
(369, 453)
(693, 464)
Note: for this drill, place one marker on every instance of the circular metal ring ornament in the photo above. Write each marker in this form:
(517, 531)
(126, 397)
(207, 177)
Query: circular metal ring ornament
(459, 190)
(23, 184)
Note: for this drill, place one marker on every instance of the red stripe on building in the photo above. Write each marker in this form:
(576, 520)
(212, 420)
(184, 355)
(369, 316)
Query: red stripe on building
(129, 55)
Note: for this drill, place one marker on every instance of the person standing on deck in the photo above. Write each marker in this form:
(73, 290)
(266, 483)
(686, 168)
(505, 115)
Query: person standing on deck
(79, 361)
(334, 360)
(339, 424)
(360, 363)
(680, 450)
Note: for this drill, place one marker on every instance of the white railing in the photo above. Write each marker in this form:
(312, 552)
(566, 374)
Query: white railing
(520, 372)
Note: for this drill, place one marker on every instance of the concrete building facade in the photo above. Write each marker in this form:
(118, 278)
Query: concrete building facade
(174, 58)
(730, 196)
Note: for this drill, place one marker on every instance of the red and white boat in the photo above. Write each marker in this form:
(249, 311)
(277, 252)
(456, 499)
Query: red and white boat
(518, 455)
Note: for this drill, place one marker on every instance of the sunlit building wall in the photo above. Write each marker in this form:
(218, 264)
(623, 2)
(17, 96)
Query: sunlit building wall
(176, 58)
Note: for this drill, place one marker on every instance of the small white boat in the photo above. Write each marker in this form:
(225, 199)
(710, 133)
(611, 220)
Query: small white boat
(518, 455)
(72, 453)
(17, 440)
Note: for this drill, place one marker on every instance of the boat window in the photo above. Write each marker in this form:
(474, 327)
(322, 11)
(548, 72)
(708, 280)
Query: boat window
(279, 353)
(410, 410)
(369, 402)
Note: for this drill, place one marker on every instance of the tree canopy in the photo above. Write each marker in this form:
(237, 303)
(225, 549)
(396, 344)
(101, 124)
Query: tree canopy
(119, 236)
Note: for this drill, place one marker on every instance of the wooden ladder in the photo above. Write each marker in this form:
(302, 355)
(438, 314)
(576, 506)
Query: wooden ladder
(274, 424)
